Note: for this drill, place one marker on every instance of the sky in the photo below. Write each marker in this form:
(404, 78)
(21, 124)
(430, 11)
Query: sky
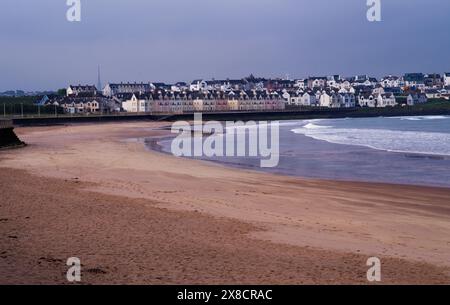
(182, 40)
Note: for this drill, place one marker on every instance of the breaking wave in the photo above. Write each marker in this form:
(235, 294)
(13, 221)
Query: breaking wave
(431, 143)
(422, 118)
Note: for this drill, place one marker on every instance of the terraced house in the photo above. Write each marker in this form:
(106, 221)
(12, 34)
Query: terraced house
(112, 89)
(258, 94)
(447, 79)
(377, 100)
(162, 101)
(83, 105)
(416, 98)
(137, 103)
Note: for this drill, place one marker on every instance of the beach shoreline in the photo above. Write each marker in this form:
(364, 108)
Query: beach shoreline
(330, 226)
(307, 157)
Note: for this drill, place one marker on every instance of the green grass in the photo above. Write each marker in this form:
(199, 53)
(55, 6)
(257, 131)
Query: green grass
(26, 100)
(435, 104)
(12, 106)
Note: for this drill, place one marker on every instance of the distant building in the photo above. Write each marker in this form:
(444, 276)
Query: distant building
(317, 82)
(114, 89)
(163, 86)
(78, 106)
(415, 98)
(42, 100)
(81, 89)
(433, 81)
(138, 103)
(308, 99)
(256, 94)
(447, 79)
(377, 100)
(334, 81)
(198, 85)
(279, 84)
(178, 87)
(390, 81)
(394, 90)
(325, 99)
(433, 93)
(347, 100)
(300, 84)
(414, 79)
(386, 100)
(346, 85)
(363, 81)
(378, 90)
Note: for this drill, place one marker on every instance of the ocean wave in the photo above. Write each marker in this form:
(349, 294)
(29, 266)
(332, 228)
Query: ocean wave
(423, 118)
(314, 126)
(430, 143)
(262, 123)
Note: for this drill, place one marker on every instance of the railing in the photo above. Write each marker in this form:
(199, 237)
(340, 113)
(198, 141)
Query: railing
(5, 124)
(170, 113)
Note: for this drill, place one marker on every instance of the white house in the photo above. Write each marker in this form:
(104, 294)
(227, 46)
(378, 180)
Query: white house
(414, 99)
(308, 99)
(198, 85)
(293, 99)
(386, 100)
(332, 83)
(80, 89)
(346, 85)
(178, 87)
(81, 106)
(367, 100)
(325, 100)
(378, 90)
(377, 100)
(317, 82)
(137, 104)
(300, 84)
(446, 79)
(390, 81)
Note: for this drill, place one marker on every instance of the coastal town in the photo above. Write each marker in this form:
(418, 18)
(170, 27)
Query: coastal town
(251, 94)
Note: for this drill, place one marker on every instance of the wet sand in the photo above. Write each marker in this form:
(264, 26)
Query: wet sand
(141, 217)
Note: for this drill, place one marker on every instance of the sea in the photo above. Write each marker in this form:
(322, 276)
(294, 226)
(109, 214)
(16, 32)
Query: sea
(401, 150)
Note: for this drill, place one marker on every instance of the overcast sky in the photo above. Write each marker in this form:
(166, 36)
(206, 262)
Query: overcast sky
(171, 40)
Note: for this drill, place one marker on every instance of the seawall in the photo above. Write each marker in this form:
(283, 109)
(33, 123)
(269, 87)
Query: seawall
(232, 116)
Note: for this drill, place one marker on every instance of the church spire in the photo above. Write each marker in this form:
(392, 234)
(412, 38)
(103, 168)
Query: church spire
(99, 82)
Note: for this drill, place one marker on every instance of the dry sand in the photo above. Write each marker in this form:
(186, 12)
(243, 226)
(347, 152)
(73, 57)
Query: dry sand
(141, 217)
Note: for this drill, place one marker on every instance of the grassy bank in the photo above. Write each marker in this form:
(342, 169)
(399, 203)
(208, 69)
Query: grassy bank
(25, 105)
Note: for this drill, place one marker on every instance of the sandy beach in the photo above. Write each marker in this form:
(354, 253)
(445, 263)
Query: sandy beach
(135, 216)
